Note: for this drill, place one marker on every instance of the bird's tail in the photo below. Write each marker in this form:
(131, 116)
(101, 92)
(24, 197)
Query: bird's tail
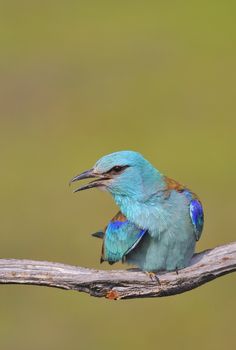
(99, 234)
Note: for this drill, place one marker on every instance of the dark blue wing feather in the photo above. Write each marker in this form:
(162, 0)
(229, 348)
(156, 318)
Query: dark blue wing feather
(120, 238)
(197, 217)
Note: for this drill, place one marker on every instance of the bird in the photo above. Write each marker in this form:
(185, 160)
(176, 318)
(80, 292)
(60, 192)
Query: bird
(159, 220)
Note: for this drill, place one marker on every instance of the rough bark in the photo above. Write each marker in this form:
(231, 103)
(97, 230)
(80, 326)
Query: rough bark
(121, 284)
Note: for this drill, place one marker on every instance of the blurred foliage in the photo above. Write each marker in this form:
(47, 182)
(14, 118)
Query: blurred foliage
(80, 79)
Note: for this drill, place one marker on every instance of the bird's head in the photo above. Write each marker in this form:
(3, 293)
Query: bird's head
(124, 173)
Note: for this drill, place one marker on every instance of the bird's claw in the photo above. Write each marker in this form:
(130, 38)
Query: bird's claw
(153, 276)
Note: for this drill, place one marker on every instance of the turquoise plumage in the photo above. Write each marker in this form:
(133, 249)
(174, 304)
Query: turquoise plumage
(159, 221)
(120, 238)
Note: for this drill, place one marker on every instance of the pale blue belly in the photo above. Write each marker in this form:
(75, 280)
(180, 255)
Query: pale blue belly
(172, 251)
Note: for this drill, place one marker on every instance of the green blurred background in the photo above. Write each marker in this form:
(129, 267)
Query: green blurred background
(79, 79)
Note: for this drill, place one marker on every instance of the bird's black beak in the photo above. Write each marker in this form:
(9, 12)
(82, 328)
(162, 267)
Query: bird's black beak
(89, 174)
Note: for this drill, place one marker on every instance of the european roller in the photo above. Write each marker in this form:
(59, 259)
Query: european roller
(159, 220)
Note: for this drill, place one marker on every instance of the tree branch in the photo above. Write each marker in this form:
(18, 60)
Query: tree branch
(121, 284)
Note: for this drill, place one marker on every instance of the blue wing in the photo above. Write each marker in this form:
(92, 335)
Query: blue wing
(121, 236)
(197, 217)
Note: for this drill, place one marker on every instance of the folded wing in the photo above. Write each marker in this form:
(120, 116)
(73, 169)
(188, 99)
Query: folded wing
(121, 236)
(197, 217)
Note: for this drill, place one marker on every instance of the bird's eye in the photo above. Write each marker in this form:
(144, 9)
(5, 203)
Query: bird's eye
(117, 169)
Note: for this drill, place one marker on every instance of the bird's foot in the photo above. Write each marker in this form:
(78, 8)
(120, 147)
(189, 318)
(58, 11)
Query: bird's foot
(153, 276)
(176, 271)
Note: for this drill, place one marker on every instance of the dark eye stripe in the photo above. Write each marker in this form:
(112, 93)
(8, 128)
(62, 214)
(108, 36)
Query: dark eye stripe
(117, 169)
